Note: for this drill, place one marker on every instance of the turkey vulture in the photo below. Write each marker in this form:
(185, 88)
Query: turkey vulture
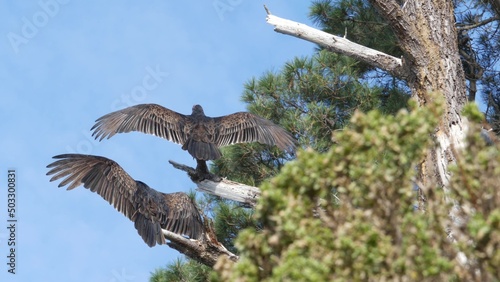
(200, 135)
(149, 209)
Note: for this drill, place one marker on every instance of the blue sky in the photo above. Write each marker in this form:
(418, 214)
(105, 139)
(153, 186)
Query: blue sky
(66, 63)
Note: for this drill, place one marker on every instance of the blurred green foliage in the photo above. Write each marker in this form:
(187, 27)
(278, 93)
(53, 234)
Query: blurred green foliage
(348, 215)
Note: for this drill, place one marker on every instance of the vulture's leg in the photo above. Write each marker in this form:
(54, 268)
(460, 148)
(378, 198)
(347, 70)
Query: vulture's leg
(202, 172)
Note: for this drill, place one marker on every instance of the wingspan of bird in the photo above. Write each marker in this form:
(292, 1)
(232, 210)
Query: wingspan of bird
(245, 127)
(200, 135)
(147, 118)
(149, 209)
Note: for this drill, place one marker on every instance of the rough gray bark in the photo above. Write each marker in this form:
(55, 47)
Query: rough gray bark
(427, 35)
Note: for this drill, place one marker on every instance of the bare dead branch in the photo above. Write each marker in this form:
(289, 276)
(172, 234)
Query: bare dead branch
(338, 44)
(224, 188)
(206, 251)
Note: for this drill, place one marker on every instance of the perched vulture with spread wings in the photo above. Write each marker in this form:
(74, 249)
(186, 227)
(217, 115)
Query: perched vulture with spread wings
(200, 135)
(149, 209)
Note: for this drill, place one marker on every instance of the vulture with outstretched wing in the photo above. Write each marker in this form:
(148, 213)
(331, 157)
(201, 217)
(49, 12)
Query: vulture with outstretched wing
(149, 209)
(200, 135)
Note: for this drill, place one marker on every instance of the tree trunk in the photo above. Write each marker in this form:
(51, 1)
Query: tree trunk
(428, 37)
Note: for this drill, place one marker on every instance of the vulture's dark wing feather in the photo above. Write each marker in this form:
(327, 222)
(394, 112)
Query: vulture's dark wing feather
(147, 118)
(180, 218)
(245, 127)
(149, 209)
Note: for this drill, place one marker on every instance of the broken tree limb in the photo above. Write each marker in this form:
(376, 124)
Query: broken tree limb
(206, 251)
(231, 190)
(338, 44)
(223, 188)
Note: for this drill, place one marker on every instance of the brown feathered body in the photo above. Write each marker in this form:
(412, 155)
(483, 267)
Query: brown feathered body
(149, 209)
(200, 135)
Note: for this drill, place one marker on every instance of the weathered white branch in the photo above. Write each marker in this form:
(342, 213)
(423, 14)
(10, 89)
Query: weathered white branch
(338, 44)
(231, 190)
(224, 188)
(206, 251)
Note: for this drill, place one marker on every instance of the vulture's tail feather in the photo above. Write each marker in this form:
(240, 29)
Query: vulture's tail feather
(202, 150)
